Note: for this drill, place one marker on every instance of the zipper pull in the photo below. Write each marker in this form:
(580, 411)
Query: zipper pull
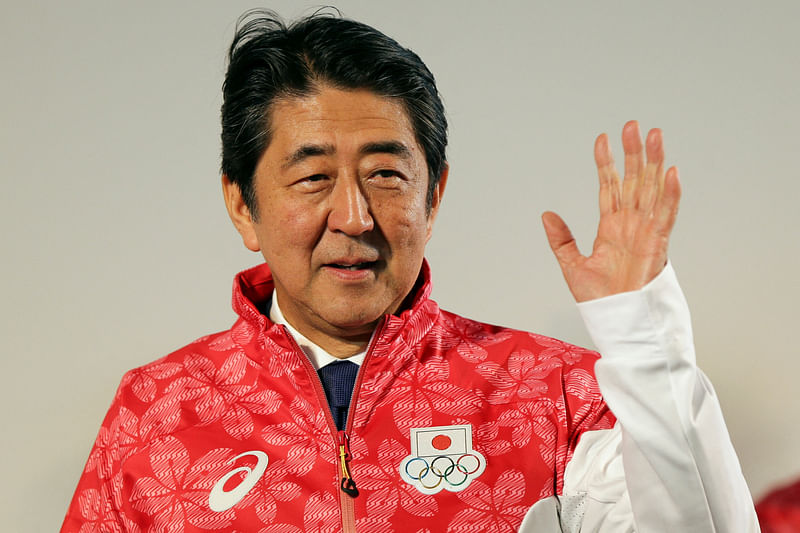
(348, 485)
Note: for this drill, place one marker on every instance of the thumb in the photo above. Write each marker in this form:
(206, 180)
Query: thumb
(560, 238)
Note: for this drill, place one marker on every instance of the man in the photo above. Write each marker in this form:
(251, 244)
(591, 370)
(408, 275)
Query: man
(343, 398)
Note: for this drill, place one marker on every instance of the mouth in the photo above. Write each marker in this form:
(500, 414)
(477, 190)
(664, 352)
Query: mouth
(366, 265)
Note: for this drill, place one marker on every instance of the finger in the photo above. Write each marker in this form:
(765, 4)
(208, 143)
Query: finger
(561, 240)
(634, 163)
(653, 178)
(607, 173)
(666, 209)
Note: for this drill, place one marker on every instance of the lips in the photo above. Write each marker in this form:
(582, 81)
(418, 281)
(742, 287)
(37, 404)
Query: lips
(352, 265)
(352, 271)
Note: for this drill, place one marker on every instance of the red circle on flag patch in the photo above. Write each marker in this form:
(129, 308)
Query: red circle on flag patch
(441, 442)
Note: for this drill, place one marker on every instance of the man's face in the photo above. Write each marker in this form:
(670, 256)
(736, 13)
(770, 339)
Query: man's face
(342, 216)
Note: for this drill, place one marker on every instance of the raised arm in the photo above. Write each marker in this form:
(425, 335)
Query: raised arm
(669, 464)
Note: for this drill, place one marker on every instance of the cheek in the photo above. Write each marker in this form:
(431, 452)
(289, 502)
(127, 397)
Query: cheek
(409, 232)
(398, 222)
(286, 230)
(294, 224)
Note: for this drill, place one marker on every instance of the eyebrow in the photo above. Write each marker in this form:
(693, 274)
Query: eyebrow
(386, 147)
(306, 151)
(380, 147)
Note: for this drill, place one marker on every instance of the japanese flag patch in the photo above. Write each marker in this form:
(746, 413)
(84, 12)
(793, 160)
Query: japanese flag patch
(442, 458)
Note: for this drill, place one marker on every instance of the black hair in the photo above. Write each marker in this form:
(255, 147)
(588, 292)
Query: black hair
(269, 60)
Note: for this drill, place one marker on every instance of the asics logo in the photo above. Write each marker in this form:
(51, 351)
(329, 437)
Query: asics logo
(221, 500)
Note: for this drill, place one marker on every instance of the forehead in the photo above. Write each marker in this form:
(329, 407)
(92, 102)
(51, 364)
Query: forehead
(341, 118)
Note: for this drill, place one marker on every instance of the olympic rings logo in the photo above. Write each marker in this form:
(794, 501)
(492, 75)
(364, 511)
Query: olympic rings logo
(441, 458)
(431, 475)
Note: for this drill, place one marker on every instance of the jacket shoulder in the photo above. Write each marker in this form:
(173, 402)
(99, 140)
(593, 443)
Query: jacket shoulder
(477, 338)
(142, 386)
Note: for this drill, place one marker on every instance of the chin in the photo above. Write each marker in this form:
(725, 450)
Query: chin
(352, 318)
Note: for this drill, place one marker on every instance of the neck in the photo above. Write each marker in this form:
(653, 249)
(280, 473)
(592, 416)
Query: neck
(338, 342)
(338, 347)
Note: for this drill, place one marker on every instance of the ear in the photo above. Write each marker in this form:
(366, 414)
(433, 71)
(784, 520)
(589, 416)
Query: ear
(240, 214)
(436, 201)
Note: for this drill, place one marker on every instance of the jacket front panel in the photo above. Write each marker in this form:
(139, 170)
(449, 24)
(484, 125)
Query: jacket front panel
(244, 409)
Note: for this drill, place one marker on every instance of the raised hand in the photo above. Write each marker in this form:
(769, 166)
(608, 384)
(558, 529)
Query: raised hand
(636, 219)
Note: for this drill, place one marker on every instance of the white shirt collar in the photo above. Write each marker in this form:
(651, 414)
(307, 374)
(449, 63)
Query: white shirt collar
(315, 354)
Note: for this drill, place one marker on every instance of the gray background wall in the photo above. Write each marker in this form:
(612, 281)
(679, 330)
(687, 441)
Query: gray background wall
(116, 248)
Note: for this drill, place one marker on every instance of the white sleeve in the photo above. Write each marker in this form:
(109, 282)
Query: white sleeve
(668, 464)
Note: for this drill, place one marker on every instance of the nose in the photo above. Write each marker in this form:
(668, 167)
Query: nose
(349, 211)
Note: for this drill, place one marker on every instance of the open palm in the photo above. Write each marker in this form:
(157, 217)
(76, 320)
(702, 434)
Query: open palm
(636, 218)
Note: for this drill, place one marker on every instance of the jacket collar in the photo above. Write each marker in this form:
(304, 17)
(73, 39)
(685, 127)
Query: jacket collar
(252, 293)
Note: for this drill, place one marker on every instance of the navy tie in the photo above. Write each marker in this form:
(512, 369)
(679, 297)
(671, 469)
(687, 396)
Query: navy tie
(338, 379)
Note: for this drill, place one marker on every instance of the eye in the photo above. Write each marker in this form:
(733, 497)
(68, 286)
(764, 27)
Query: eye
(387, 177)
(313, 182)
(386, 173)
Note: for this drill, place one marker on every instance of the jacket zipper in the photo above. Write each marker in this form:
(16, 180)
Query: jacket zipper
(342, 438)
(347, 485)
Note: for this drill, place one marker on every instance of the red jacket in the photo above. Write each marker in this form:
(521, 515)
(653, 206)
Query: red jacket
(233, 432)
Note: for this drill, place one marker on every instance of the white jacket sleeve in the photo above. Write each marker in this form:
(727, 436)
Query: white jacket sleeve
(668, 465)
